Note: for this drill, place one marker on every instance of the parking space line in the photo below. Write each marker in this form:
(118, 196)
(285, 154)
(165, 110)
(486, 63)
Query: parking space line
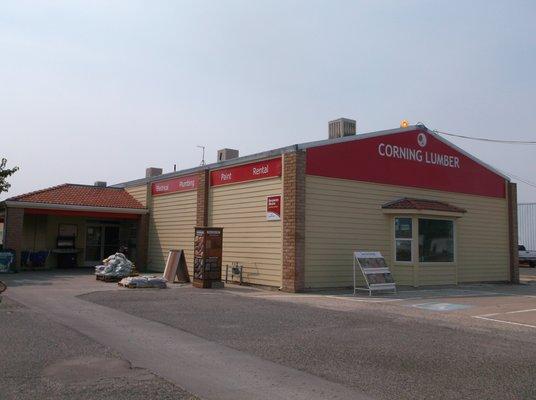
(504, 322)
(520, 311)
(508, 312)
(370, 300)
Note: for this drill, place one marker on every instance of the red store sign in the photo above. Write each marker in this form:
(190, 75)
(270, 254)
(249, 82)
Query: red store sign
(181, 184)
(273, 208)
(413, 158)
(248, 172)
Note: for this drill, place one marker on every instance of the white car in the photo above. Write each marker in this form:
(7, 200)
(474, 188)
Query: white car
(527, 256)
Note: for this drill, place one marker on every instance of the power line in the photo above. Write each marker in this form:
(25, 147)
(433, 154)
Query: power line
(510, 175)
(486, 139)
(525, 181)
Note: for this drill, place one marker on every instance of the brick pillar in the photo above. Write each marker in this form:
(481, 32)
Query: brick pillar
(293, 221)
(142, 242)
(202, 198)
(13, 232)
(512, 232)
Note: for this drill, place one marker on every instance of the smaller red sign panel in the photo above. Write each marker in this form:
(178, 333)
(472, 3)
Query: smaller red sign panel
(273, 208)
(181, 184)
(247, 172)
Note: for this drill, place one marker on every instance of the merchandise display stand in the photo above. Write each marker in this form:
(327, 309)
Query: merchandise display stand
(208, 249)
(375, 272)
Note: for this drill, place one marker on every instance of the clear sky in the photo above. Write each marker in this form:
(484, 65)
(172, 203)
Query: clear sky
(100, 90)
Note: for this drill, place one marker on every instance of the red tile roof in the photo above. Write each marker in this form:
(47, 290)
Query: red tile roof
(81, 195)
(421, 204)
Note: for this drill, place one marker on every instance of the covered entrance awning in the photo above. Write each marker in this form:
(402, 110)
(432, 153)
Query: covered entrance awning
(74, 225)
(422, 206)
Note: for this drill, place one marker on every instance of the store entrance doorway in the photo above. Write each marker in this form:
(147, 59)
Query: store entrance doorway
(102, 240)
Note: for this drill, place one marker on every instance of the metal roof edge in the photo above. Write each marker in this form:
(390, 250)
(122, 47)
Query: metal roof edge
(304, 146)
(261, 155)
(351, 138)
(213, 166)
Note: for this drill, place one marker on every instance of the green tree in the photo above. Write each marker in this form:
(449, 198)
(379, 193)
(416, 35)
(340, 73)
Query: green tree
(4, 174)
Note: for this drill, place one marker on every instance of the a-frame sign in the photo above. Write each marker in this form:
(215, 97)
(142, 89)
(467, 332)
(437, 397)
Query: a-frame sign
(176, 270)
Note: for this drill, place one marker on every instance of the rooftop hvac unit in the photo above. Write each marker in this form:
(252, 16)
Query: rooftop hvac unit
(341, 127)
(227, 154)
(152, 172)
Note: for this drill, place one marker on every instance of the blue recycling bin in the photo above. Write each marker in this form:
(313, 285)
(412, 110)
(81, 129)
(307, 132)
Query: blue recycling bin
(7, 261)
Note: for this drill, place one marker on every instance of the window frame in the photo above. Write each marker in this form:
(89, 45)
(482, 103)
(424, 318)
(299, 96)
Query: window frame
(411, 240)
(415, 240)
(454, 240)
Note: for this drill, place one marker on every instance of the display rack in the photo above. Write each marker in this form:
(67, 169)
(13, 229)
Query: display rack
(375, 272)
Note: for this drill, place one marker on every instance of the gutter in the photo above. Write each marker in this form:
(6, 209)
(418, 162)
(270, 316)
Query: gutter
(67, 207)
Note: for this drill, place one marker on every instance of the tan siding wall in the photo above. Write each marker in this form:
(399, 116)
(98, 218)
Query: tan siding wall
(248, 237)
(139, 193)
(171, 226)
(343, 216)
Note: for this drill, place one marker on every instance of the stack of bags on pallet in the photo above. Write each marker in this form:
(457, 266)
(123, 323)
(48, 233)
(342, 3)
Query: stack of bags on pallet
(117, 266)
(3, 287)
(135, 282)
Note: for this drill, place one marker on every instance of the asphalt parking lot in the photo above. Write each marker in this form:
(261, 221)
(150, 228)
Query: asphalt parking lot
(470, 342)
(41, 359)
(527, 274)
(419, 344)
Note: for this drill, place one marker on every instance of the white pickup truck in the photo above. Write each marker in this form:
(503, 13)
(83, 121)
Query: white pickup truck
(527, 256)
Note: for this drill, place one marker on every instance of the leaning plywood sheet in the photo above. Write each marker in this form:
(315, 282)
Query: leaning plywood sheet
(176, 267)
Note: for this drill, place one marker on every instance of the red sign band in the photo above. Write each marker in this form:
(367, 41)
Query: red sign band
(181, 184)
(247, 172)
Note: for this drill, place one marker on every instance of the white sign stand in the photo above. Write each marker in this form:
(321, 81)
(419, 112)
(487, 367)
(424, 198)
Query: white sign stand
(374, 269)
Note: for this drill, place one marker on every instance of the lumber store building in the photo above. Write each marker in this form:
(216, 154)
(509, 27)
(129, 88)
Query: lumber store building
(292, 217)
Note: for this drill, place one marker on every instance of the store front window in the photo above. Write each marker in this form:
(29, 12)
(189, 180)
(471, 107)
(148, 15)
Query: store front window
(436, 240)
(435, 237)
(403, 239)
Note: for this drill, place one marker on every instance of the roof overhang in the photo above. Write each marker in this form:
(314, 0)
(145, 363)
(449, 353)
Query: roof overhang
(67, 207)
(415, 211)
(412, 206)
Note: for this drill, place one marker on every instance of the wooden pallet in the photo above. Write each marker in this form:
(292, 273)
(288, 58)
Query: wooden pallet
(106, 278)
(129, 286)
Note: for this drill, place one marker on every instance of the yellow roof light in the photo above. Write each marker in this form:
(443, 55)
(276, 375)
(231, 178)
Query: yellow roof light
(404, 123)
